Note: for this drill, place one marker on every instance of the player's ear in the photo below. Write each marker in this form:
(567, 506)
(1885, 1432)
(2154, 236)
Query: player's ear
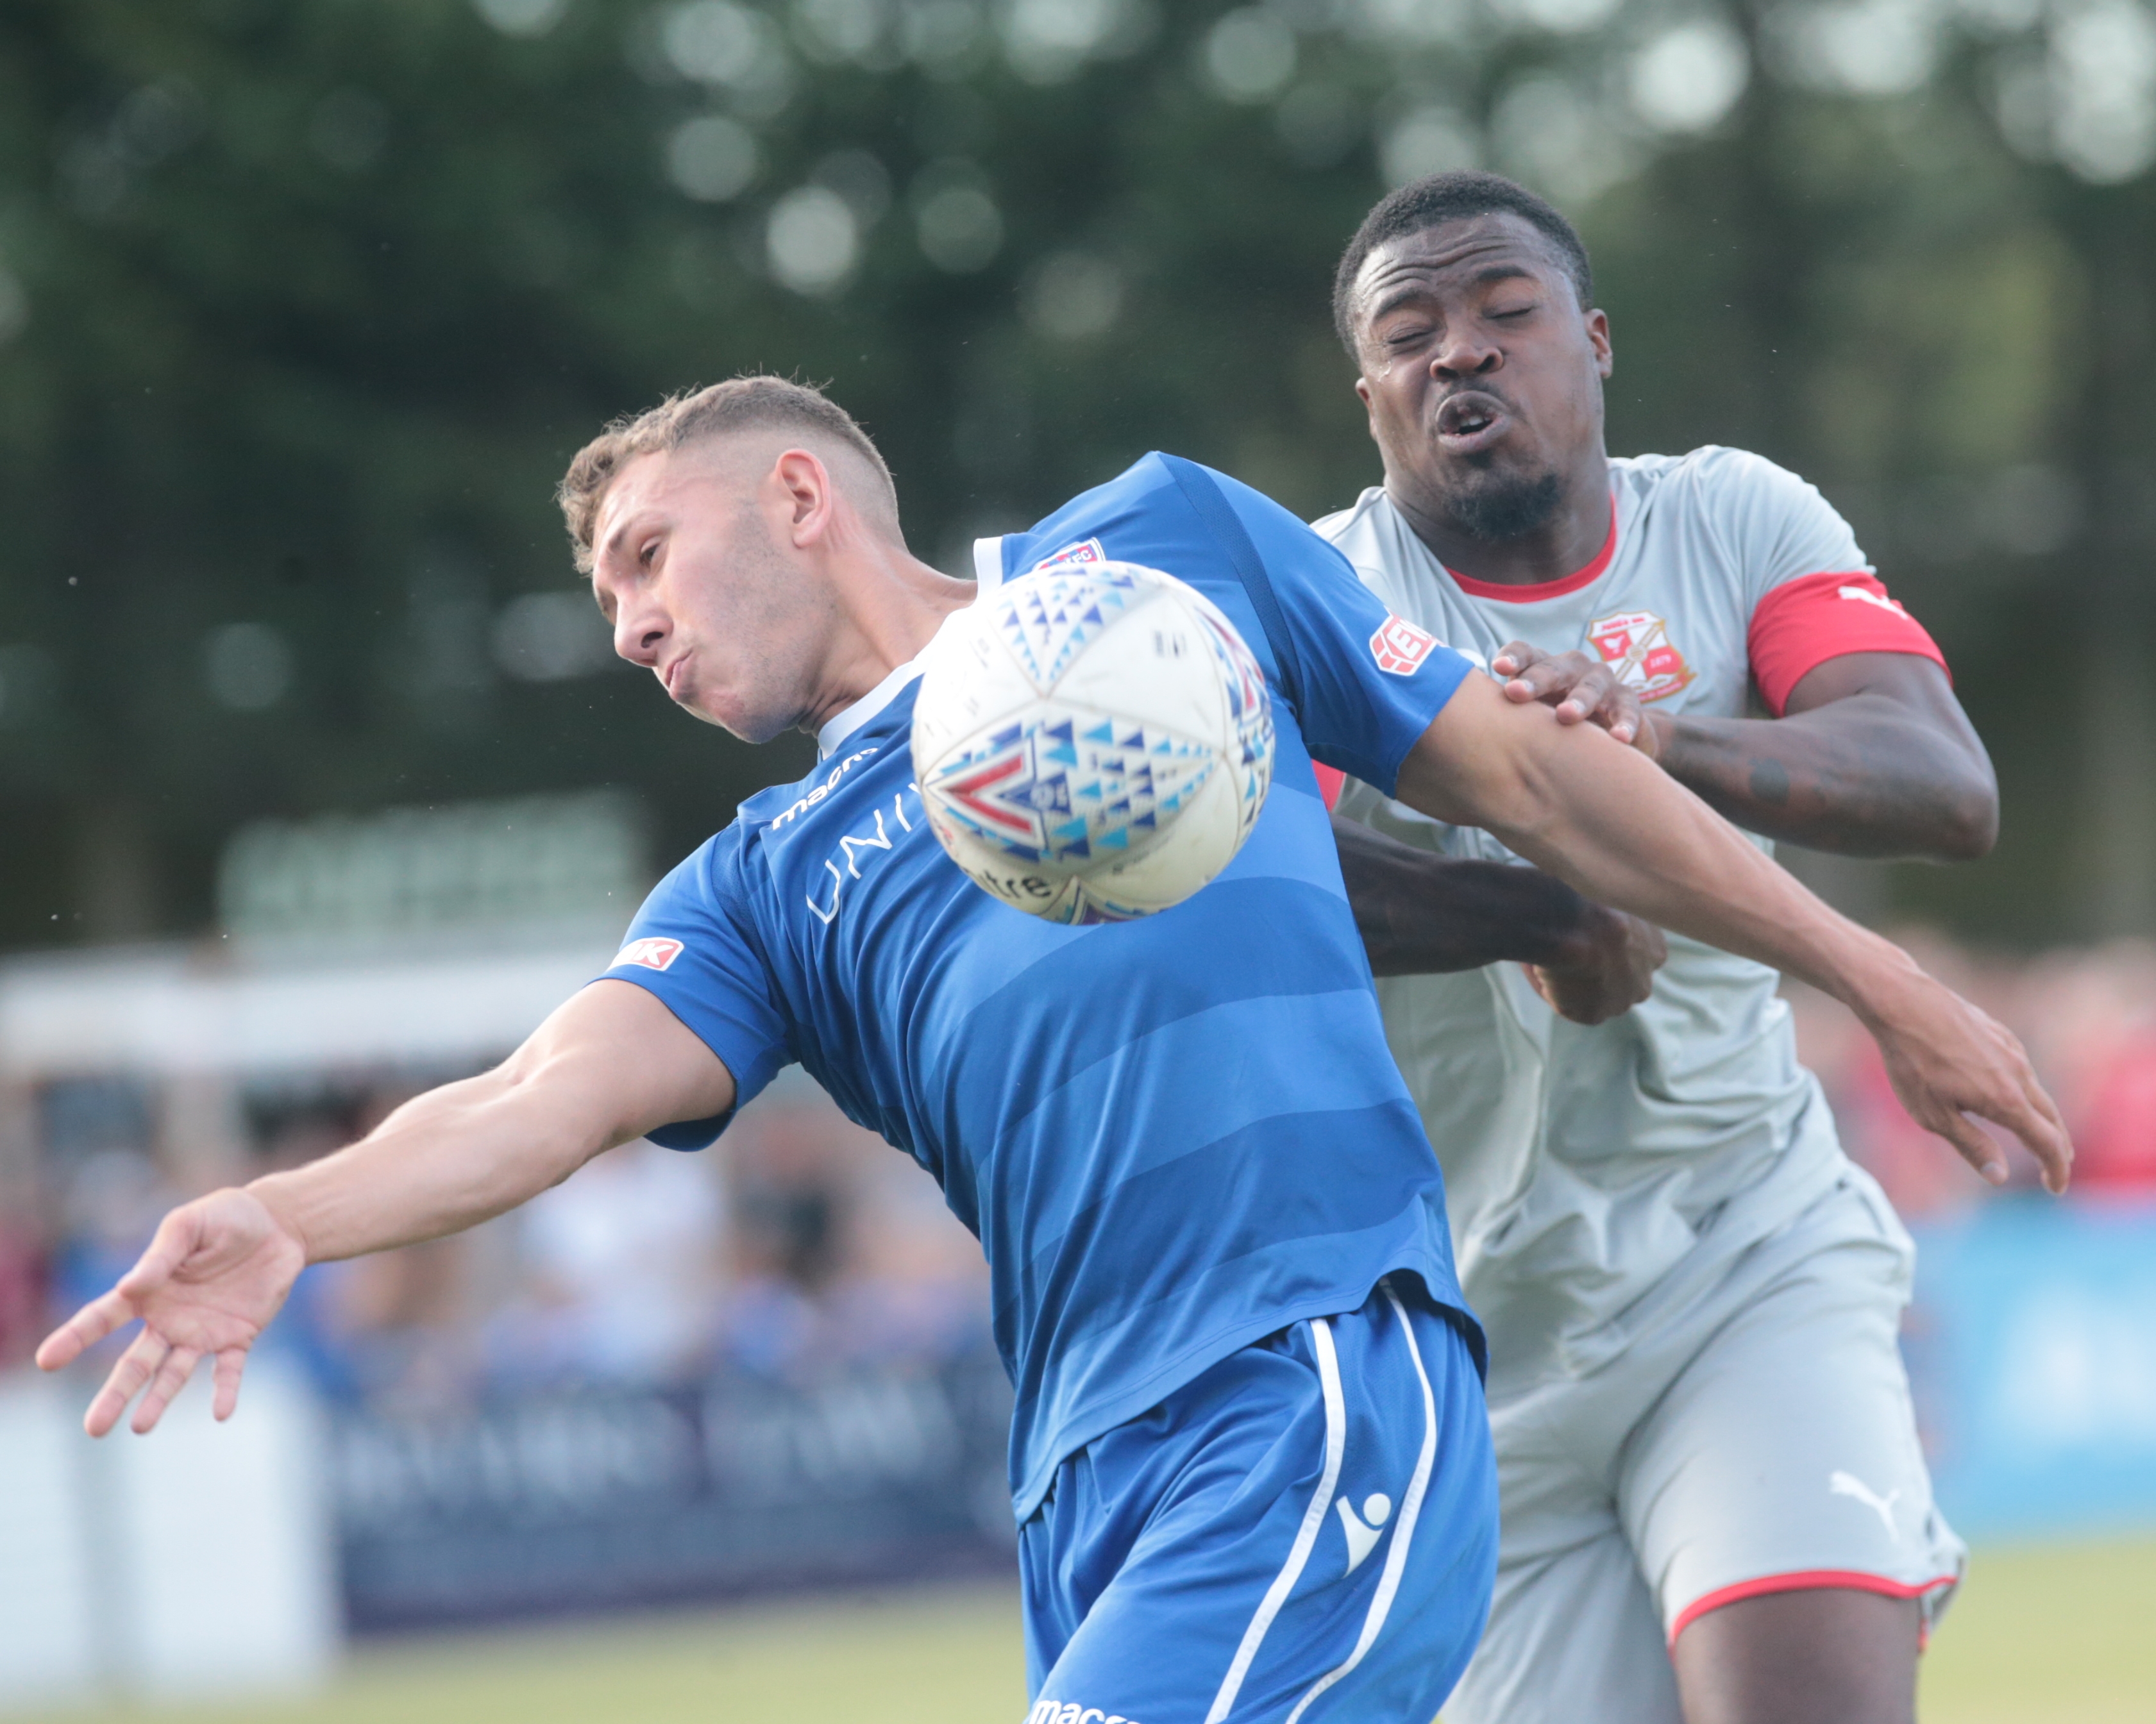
(1598, 338)
(1370, 407)
(805, 484)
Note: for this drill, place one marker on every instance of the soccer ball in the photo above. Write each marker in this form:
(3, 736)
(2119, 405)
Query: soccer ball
(1092, 742)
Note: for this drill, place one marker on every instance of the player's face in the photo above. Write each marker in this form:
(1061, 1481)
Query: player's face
(700, 593)
(1481, 373)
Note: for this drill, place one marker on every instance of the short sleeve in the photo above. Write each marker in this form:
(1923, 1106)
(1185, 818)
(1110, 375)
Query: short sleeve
(1369, 682)
(1814, 594)
(1778, 526)
(1803, 622)
(694, 946)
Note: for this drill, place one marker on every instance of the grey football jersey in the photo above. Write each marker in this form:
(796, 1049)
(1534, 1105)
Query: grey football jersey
(1596, 1176)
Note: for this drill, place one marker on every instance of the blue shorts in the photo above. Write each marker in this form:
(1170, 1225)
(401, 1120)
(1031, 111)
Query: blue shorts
(1305, 1532)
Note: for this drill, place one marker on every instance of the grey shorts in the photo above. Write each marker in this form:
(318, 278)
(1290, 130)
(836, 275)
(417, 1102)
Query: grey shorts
(1761, 1439)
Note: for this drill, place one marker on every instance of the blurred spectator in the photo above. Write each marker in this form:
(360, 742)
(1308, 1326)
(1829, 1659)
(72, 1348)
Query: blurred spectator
(389, 1331)
(2115, 1151)
(788, 1159)
(23, 1308)
(915, 1286)
(800, 1245)
(2090, 1020)
(844, 1252)
(620, 1273)
(22, 1231)
(113, 1199)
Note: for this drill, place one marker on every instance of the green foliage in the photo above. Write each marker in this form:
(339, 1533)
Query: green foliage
(307, 302)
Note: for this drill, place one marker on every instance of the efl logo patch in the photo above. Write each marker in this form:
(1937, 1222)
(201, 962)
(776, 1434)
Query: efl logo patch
(651, 954)
(1636, 645)
(1085, 551)
(1399, 647)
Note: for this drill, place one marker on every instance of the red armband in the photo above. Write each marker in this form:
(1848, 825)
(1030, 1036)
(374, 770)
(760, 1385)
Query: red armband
(1331, 782)
(1803, 622)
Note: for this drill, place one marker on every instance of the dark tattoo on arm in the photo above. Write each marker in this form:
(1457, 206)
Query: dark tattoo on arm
(1770, 782)
(1876, 758)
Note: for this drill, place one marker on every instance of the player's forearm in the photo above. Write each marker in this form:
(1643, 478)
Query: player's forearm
(1863, 777)
(608, 1065)
(1605, 819)
(443, 1161)
(1420, 914)
(1609, 822)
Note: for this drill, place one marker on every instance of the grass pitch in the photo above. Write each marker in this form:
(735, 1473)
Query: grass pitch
(2057, 1635)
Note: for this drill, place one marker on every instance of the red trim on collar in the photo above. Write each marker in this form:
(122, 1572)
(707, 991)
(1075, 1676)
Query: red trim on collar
(1539, 590)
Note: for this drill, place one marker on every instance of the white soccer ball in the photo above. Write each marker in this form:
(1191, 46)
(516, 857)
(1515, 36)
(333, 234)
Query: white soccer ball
(1092, 742)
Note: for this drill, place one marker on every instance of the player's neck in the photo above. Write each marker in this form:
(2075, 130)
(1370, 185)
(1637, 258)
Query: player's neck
(890, 605)
(1567, 542)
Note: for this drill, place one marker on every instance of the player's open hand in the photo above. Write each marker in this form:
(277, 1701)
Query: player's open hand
(1579, 688)
(1614, 969)
(216, 1273)
(1948, 1060)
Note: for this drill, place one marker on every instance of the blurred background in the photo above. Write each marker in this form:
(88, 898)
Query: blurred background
(318, 784)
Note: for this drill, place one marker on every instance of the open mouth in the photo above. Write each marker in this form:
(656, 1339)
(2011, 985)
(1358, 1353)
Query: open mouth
(1471, 421)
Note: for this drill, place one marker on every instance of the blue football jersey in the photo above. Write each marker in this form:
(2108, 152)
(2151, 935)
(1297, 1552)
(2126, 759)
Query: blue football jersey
(1174, 1136)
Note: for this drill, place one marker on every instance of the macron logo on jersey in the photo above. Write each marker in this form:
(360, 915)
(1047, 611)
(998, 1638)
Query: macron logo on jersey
(651, 954)
(1047, 1711)
(1085, 551)
(1399, 647)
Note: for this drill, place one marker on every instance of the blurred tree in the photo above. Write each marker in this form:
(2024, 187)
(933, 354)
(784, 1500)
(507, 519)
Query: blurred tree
(304, 304)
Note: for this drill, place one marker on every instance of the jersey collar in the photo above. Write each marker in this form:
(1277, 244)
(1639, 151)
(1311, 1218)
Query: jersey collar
(1540, 590)
(988, 570)
(847, 720)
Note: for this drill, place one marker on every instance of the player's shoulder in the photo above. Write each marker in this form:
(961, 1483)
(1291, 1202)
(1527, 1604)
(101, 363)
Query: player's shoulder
(1712, 476)
(1133, 495)
(1161, 505)
(1357, 521)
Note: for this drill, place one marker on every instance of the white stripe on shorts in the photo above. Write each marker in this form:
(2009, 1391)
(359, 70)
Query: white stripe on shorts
(1305, 1537)
(1396, 1558)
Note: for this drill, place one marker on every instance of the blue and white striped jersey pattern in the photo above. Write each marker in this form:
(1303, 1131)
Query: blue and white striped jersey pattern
(1172, 1136)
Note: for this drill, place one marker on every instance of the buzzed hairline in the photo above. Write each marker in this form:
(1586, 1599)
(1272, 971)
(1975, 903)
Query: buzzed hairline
(1439, 200)
(790, 413)
(723, 445)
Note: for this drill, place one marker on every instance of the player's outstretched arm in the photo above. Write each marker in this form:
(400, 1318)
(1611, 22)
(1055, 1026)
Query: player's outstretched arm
(609, 1065)
(1604, 818)
(1421, 914)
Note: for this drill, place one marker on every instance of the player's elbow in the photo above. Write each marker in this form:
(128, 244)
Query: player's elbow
(1960, 818)
(1968, 827)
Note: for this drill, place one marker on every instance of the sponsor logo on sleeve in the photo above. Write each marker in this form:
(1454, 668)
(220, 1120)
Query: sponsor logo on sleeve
(1399, 647)
(1085, 551)
(1636, 645)
(652, 953)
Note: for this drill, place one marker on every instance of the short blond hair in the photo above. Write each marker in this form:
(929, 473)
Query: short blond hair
(745, 403)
